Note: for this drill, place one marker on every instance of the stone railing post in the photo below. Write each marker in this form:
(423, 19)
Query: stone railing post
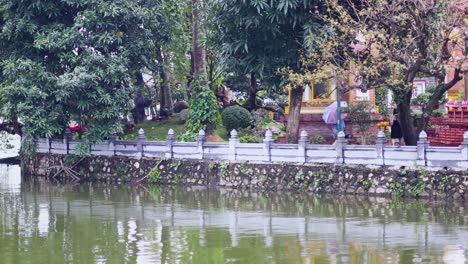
(379, 147)
(141, 139)
(267, 141)
(200, 142)
(233, 141)
(66, 140)
(464, 146)
(302, 146)
(111, 145)
(423, 144)
(48, 143)
(340, 145)
(170, 139)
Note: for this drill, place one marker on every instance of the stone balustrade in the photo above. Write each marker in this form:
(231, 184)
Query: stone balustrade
(268, 151)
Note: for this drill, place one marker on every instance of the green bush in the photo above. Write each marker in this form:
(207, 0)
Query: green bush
(381, 100)
(360, 115)
(250, 139)
(236, 117)
(203, 110)
(438, 113)
(260, 118)
(317, 139)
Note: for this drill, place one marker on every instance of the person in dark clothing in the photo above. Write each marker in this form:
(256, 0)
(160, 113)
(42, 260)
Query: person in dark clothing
(138, 112)
(395, 133)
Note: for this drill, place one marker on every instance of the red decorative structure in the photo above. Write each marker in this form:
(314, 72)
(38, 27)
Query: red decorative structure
(77, 128)
(449, 131)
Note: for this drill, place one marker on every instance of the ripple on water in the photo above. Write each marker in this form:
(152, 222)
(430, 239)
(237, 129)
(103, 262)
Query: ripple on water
(107, 224)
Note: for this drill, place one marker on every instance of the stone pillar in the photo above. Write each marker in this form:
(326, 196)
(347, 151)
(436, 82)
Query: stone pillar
(464, 146)
(66, 139)
(233, 141)
(111, 146)
(200, 142)
(302, 146)
(423, 144)
(340, 145)
(268, 140)
(379, 147)
(170, 139)
(141, 139)
(48, 143)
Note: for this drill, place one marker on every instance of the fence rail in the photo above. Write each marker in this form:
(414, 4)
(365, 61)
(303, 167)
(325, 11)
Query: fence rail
(341, 152)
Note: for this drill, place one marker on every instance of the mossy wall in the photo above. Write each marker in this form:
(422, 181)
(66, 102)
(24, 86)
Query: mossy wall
(315, 178)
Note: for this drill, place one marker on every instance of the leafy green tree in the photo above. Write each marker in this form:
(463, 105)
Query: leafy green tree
(203, 110)
(257, 38)
(71, 60)
(170, 45)
(384, 43)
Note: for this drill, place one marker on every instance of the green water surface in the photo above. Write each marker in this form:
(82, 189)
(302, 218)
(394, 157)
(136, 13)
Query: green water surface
(48, 222)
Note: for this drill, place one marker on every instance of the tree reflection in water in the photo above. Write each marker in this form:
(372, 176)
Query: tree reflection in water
(44, 222)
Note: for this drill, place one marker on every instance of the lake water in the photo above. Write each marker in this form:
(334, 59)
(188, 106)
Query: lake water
(47, 222)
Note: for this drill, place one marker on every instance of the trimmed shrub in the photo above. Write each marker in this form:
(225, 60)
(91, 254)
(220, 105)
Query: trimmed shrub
(236, 117)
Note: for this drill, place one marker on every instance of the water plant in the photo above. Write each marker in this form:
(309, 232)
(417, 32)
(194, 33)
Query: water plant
(246, 170)
(154, 176)
(320, 179)
(175, 164)
(396, 188)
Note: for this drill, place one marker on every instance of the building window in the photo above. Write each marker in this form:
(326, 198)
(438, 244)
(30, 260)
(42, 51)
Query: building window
(419, 87)
(318, 92)
(321, 90)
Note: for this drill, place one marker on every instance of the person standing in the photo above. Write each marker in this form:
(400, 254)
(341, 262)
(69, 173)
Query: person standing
(395, 133)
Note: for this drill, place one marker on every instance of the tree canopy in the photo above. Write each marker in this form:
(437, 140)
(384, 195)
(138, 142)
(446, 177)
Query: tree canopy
(72, 60)
(261, 37)
(81, 59)
(384, 43)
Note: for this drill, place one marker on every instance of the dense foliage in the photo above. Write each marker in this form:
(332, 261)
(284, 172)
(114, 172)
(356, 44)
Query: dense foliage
(236, 117)
(258, 38)
(71, 60)
(389, 43)
(246, 30)
(360, 116)
(203, 111)
(81, 60)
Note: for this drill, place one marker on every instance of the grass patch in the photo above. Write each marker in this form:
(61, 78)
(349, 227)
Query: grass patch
(222, 133)
(157, 130)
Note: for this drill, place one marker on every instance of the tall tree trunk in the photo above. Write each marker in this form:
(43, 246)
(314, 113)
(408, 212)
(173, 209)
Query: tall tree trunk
(153, 95)
(251, 103)
(406, 122)
(199, 56)
(140, 83)
(190, 77)
(292, 129)
(199, 52)
(166, 107)
(166, 96)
